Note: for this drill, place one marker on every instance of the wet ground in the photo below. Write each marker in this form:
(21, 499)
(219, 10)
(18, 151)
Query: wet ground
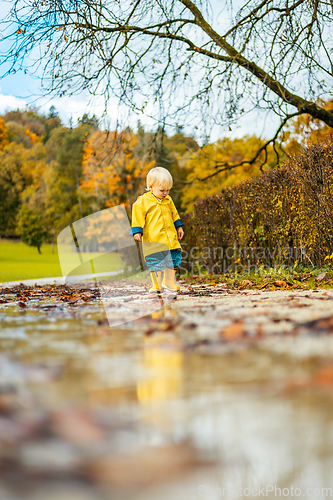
(216, 393)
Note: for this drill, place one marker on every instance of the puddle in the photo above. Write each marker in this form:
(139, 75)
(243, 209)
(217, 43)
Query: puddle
(148, 410)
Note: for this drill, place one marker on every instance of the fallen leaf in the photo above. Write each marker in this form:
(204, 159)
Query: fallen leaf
(279, 283)
(260, 330)
(234, 331)
(322, 326)
(321, 276)
(324, 376)
(246, 282)
(263, 285)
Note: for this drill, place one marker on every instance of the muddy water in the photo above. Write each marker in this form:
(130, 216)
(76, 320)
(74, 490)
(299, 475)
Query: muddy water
(167, 407)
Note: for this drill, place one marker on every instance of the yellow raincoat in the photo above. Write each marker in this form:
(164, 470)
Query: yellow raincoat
(157, 220)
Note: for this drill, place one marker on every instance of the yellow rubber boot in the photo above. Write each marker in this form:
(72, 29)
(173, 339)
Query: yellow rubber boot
(169, 280)
(156, 280)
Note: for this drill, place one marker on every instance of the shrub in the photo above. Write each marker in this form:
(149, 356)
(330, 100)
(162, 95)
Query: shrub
(286, 215)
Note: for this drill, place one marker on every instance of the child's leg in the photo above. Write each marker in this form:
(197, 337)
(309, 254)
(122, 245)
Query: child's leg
(156, 277)
(169, 273)
(169, 280)
(155, 263)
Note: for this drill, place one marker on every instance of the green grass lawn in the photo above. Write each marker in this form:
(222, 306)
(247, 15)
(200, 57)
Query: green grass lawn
(18, 261)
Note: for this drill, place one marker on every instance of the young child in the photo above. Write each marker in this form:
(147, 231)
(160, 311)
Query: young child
(155, 220)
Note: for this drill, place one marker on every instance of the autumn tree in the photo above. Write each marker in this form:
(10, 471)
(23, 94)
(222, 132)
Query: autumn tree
(3, 134)
(24, 165)
(30, 121)
(225, 151)
(30, 227)
(177, 59)
(41, 169)
(18, 172)
(305, 130)
(63, 203)
(173, 154)
(112, 174)
(116, 164)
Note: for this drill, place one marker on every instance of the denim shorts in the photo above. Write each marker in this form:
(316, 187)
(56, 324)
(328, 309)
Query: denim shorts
(166, 259)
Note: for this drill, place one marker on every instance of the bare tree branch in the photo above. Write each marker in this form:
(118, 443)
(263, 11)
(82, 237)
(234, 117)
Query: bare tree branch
(301, 104)
(167, 57)
(224, 166)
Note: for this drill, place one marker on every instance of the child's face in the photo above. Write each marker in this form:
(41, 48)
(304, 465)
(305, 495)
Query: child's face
(159, 191)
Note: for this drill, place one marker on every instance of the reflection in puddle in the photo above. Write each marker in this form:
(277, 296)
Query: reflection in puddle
(162, 382)
(138, 416)
(164, 369)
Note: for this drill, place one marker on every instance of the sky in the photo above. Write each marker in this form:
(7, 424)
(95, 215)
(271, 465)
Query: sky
(18, 94)
(20, 90)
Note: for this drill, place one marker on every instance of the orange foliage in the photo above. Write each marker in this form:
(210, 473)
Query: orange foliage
(32, 136)
(111, 174)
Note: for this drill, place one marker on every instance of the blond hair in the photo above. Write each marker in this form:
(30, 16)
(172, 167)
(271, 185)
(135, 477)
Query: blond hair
(160, 177)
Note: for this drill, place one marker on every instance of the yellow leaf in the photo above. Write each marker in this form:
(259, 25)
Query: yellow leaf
(246, 282)
(280, 283)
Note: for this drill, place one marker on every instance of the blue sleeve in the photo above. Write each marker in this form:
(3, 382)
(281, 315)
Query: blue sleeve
(178, 223)
(135, 230)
